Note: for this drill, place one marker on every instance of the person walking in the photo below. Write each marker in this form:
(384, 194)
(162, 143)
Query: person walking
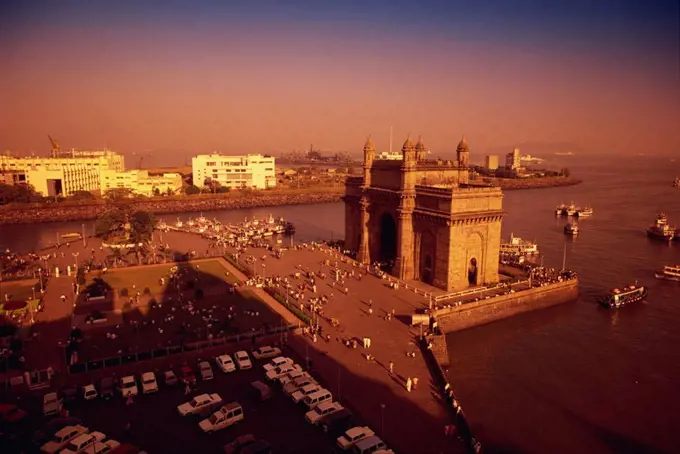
(391, 367)
(187, 389)
(415, 382)
(409, 383)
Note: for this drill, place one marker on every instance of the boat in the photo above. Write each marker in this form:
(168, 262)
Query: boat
(676, 182)
(618, 298)
(571, 228)
(70, 236)
(669, 272)
(561, 209)
(571, 209)
(518, 246)
(584, 212)
(660, 230)
(179, 224)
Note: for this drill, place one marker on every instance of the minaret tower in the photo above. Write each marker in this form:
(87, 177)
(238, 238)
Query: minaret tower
(363, 254)
(463, 153)
(403, 264)
(369, 157)
(421, 151)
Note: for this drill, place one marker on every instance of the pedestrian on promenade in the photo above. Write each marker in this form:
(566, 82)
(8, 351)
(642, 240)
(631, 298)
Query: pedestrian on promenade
(415, 382)
(370, 311)
(391, 366)
(130, 400)
(187, 389)
(368, 342)
(408, 384)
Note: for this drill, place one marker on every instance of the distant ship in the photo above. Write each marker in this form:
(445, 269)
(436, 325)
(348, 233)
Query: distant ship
(670, 273)
(568, 210)
(618, 298)
(564, 153)
(661, 230)
(676, 182)
(571, 229)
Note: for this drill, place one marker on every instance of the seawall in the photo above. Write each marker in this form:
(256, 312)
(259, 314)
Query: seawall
(481, 312)
(68, 211)
(511, 184)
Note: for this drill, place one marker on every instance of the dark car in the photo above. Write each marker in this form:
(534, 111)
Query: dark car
(106, 388)
(186, 375)
(259, 447)
(69, 394)
(337, 423)
(11, 414)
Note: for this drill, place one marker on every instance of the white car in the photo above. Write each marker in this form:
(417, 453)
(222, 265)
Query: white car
(292, 386)
(90, 392)
(243, 360)
(206, 370)
(83, 443)
(277, 362)
(279, 372)
(51, 404)
(323, 409)
(266, 352)
(225, 417)
(290, 376)
(128, 386)
(349, 438)
(225, 363)
(149, 383)
(198, 404)
(301, 393)
(62, 438)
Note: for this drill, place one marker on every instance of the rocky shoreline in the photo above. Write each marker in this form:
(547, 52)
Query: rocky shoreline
(510, 184)
(33, 213)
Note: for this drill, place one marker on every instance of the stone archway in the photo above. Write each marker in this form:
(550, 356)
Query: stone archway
(388, 238)
(472, 271)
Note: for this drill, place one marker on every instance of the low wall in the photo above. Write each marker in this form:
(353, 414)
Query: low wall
(486, 311)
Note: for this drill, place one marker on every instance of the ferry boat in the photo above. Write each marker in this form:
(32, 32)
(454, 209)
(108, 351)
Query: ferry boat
(671, 273)
(618, 298)
(661, 230)
(71, 236)
(676, 182)
(584, 212)
(518, 246)
(571, 229)
(571, 209)
(179, 224)
(561, 209)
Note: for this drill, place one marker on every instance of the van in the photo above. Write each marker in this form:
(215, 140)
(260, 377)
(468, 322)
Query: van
(314, 399)
(369, 445)
(262, 391)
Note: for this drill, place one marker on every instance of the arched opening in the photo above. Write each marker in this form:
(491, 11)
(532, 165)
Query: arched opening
(472, 272)
(427, 274)
(388, 238)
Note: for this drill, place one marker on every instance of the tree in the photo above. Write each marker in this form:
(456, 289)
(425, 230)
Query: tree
(19, 193)
(156, 191)
(120, 222)
(142, 225)
(211, 185)
(118, 193)
(82, 195)
(223, 190)
(192, 190)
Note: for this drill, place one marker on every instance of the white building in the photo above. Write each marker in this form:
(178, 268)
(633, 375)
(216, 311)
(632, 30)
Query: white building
(396, 156)
(70, 172)
(141, 183)
(491, 162)
(235, 172)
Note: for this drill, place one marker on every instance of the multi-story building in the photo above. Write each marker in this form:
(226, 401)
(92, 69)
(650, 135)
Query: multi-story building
(512, 160)
(491, 162)
(71, 171)
(385, 155)
(141, 183)
(234, 172)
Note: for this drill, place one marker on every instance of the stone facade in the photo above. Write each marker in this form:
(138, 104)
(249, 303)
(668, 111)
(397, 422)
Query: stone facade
(424, 219)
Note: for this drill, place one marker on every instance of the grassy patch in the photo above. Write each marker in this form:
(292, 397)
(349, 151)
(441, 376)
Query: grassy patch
(20, 290)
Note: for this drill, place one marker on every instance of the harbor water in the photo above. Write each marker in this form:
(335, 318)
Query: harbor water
(567, 379)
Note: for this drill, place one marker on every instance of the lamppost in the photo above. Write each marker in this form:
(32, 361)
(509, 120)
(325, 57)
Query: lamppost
(263, 272)
(84, 241)
(382, 420)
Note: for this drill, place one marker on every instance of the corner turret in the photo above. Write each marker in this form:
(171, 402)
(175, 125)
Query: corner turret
(421, 151)
(408, 152)
(369, 156)
(463, 153)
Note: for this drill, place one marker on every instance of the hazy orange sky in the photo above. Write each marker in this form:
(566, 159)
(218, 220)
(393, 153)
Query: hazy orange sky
(201, 76)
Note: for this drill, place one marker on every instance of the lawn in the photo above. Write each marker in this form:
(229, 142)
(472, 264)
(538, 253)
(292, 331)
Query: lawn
(17, 291)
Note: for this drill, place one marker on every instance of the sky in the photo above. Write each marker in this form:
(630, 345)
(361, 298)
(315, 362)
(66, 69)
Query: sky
(178, 78)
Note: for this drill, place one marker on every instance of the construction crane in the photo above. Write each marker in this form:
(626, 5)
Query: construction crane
(56, 148)
(140, 163)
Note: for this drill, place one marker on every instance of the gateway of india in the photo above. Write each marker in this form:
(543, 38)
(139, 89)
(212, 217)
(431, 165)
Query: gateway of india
(424, 219)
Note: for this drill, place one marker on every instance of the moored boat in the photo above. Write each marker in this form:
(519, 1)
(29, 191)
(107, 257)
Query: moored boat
(518, 246)
(660, 230)
(676, 182)
(70, 236)
(561, 209)
(618, 298)
(571, 228)
(584, 212)
(669, 272)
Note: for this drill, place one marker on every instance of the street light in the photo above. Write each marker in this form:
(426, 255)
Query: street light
(263, 272)
(382, 420)
(75, 256)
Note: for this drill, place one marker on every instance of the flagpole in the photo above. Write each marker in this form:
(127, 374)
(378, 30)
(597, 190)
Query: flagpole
(391, 129)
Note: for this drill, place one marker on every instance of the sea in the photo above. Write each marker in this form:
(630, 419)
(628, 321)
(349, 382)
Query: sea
(575, 378)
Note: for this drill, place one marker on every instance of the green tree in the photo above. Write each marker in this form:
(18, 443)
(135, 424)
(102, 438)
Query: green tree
(156, 191)
(19, 193)
(192, 190)
(118, 193)
(142, 225)
(82, 195)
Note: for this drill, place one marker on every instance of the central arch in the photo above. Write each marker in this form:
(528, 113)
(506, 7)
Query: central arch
(472, 272)
(388, 238)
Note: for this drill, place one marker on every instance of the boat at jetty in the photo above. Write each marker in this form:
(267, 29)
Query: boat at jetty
(660, 230)
(517, 246)
(71, 236)
(571, 228)
(669, 272)
(618, 298)
(566, 210)
(584, 212)
(676, 182)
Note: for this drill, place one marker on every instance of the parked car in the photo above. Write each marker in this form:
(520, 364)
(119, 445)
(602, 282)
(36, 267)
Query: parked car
(243, 360)
(225, 417)
(82, 443)
(45, 434)
(200, 404)
(51, 404)
(206, 370)
(266, 352)
(337, 423)
(350, 437)
(290, 376)
(306, 390)
(225, 363)
(259, 447)
(294, 385)
(187, 375)
(128, 386)
(68, 394)
(11, 414)
(262, 391)
(106, 388)
(62, 437)
(321, 410)
(239, 443)
(277, 362)
(90, 392)
(170, 378)
(149, 384)
(275, 374)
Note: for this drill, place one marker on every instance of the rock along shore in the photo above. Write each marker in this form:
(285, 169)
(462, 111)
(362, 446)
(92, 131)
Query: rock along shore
(510, 184)
(67, 211)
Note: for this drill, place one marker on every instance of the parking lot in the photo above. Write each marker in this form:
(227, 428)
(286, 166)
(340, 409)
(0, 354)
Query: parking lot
(156, 426)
